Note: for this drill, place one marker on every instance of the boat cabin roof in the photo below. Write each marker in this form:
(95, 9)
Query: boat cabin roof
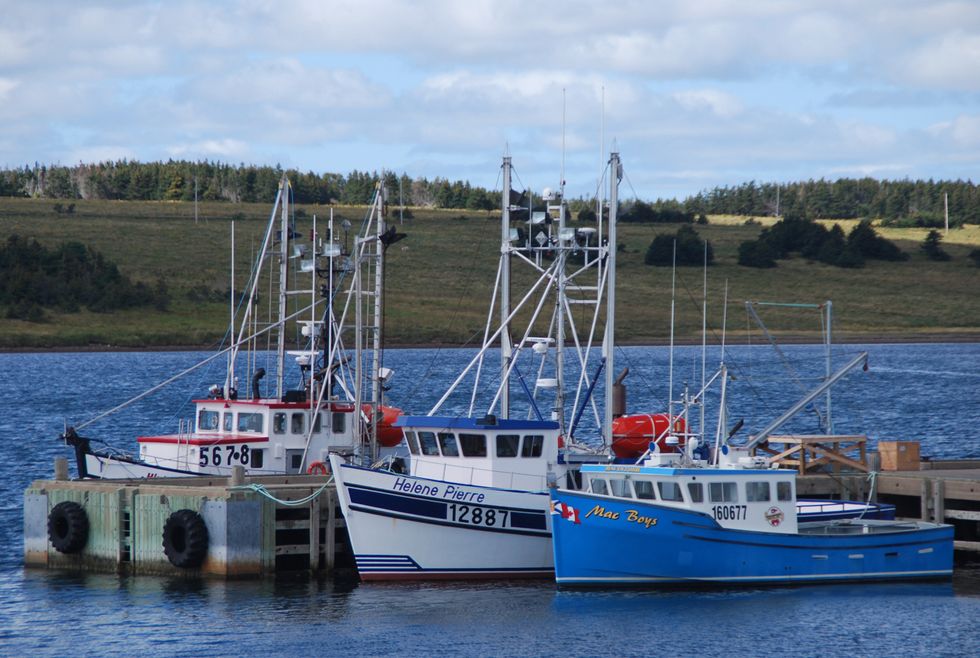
(483, 425)
(667, 471)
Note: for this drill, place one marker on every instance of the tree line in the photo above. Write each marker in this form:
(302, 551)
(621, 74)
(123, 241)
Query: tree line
(901, 202)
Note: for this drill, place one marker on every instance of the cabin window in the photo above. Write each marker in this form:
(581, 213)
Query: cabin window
(447, 442)
(507, 445)
(338, 424)
(429, 445)
(227, 421)
(255, 459)
(474, 445)
(784, 490)
(620, 488)
(279, 423)
(723, 492)
(413, 442)
(297, 423)
(756, 492)
(670, 491)
(644, 489)
(250, 422)
(317, 422)
(533, 445)
(696, 491)
(207, 420)
(599, 487)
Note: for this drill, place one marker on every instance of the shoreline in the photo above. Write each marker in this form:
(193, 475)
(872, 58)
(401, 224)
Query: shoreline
(842, 338)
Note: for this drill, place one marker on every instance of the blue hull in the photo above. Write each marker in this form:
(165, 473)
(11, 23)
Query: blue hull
(635, 543)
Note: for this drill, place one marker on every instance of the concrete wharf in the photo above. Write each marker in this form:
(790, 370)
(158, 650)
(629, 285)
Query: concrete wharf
(258, 526)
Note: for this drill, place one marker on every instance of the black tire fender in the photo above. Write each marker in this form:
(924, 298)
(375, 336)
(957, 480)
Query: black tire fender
(68, 527)
(185, 539)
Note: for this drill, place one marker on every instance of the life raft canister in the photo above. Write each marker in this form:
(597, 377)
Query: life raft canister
(68, 527)
(633, 434)
(388, 435)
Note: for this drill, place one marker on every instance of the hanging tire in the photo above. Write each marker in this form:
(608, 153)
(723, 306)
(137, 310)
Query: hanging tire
(68, 527)
(185, 539)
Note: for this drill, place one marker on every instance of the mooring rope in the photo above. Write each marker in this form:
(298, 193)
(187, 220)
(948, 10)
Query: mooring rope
(262, 491)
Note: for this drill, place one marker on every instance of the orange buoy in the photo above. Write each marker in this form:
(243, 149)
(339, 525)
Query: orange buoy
(317, 468)
(633, 434)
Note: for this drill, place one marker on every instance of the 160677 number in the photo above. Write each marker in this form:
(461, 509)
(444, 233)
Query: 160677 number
(729, 512)
(231, 455)
(480, 516)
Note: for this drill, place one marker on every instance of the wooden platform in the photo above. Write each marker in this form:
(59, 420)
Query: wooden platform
(809, 453)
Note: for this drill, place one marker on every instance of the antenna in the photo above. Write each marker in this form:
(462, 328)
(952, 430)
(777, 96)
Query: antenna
(704, 330)
(670, 386)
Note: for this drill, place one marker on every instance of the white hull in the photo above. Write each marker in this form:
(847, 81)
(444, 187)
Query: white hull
(410, 528)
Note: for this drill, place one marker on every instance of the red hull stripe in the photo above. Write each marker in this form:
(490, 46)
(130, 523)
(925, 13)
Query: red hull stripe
(205, 441)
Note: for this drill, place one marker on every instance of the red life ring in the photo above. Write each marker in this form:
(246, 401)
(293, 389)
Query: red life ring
(317, 468)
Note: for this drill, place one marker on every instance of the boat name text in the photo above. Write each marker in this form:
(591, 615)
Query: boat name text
(632, 516)
(451, 491)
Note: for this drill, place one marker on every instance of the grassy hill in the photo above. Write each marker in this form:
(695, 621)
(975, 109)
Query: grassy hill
(440, 278)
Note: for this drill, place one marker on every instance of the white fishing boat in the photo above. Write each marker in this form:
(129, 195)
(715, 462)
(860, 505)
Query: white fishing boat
(318, 401)
(474, 501)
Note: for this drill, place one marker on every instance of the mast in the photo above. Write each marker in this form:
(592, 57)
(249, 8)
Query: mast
(615, 172)
(506, 343)
(284, 236)
(378, 319)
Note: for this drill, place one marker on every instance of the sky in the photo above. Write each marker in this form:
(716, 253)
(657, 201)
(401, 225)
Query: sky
(693, 94)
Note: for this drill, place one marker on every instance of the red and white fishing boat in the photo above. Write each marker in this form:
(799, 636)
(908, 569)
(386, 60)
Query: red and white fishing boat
(331, 406)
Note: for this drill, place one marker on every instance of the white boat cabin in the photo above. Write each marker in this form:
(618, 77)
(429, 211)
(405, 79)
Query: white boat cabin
(737, 497)
(261, 435)
(503, 453)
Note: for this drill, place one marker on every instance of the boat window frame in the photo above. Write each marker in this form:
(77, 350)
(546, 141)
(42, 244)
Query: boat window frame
(468, 441)
(209, 413)
(245, 421)
(428, 443)
(699, 488)
(596, 480)
(726, 489)
(301, 416)
(228, 421)
(516, 438)
(754, 488)
(677, 492)
(446, 439)
(784, 490)
(279, 422)
(619, 487)
(652, 490)
(413, 442)
(338, 422)
(532, 446)
(317, 422)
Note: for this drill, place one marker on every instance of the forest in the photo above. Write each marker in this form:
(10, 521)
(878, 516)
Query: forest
(919, 203)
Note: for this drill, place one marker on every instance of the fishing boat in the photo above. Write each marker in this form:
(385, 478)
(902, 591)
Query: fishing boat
(731, 518)
(473, 501)
(318, 401)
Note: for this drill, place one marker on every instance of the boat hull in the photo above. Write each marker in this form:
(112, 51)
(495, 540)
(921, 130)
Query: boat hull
(411, 528)
(660, 545)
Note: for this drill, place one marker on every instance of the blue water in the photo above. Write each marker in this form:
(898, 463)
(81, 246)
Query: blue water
(929, 393)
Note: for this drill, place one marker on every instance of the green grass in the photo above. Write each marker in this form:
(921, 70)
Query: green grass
(439, 279)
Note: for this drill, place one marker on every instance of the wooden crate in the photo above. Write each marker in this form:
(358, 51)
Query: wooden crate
(899, 455)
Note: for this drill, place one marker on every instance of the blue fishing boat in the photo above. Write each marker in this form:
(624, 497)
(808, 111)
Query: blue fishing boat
(673, 519)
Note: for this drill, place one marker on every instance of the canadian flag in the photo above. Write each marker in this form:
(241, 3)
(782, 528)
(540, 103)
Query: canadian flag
(566, 512)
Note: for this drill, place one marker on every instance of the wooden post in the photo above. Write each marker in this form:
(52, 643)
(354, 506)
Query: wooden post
(938, 501)
(60, 468)
(925, 500)
(330, 539)
(315, 534)
(237, 476)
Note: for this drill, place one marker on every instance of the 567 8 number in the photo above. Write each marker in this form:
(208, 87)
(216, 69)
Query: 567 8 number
(215, 456)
